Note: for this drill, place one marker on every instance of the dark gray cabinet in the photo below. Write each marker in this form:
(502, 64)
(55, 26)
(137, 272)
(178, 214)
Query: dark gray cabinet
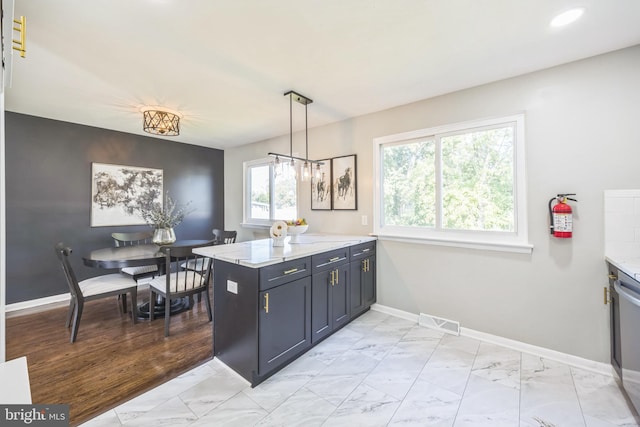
(330, 296)
(266, 317)
(614, 321)
(362, 278)
(284, 323)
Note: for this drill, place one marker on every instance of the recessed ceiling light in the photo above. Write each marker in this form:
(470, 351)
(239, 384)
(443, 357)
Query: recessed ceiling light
(567, 17)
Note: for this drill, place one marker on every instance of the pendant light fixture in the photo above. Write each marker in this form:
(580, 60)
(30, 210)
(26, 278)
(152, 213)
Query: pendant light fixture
(306, 169)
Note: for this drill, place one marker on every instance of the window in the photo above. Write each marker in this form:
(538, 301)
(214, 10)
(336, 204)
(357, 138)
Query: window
(460, 184)
(269, 196)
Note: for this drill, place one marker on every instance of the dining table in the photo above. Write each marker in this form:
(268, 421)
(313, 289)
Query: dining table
(137, 255)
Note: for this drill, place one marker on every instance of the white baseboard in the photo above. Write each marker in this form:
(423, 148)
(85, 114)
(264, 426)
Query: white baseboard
(571, 360)
(47, 303)
(37, 305)
(395, 312)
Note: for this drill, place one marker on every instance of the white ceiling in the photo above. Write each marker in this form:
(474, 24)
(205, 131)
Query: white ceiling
(225, 64)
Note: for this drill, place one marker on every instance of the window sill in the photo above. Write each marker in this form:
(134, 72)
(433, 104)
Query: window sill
(522, 248)
(255, 226)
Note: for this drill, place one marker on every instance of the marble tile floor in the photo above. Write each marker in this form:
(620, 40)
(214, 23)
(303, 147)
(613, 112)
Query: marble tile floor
(381, 370)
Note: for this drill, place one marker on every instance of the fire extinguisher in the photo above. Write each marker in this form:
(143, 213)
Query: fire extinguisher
(561, 216)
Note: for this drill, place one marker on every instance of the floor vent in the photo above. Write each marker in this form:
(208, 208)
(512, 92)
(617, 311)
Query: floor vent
(440, 324)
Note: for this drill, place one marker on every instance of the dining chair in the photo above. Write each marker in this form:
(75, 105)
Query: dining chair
(136, 238)
(182, 282)
(224, 237)
(94, 288)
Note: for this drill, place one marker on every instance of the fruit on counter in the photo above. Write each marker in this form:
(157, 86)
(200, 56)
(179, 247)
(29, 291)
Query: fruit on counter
(296, 222)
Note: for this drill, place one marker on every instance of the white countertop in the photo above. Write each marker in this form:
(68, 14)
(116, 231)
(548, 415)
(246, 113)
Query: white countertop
(14, 377)
(629, 265)
(259, 253)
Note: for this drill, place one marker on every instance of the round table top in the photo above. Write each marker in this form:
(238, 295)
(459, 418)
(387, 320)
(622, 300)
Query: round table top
(132, 256)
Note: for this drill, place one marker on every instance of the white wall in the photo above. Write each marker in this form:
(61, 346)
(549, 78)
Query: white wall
(581, 137)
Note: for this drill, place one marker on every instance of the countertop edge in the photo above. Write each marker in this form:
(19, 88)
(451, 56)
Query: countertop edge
(261, 253)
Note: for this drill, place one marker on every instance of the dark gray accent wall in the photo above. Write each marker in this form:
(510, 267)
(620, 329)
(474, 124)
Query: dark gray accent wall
(48, 194)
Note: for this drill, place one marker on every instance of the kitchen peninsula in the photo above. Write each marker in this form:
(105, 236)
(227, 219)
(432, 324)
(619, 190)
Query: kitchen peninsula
(271, 304)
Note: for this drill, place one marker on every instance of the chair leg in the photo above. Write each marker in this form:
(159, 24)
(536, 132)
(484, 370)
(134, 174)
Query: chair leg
(134, 305)
(152, 303)
(123, 298)
(167, 315)
(72, 306)
(76, 320)
(208, 300)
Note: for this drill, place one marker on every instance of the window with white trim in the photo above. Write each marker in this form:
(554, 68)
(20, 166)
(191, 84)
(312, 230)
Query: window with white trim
(270, 193)
(461, 184)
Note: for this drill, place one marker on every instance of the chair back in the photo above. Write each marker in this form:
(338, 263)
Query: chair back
(63, 253)
(186, 280)
(130, 239)
(224, 237)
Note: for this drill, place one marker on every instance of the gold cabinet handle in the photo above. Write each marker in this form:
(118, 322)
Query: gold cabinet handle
(364, 265)
(606, 295)
(613, 277)
(266, 303)
(366, 250)
(334, 259)
(293, 270)
(337, 276)
(331, 278)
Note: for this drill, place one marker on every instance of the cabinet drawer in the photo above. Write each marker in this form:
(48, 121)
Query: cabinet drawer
(362, 250)
(328, 260)
(284, 272)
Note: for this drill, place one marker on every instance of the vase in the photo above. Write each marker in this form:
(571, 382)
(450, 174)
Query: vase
(277, 241)
(163, 236)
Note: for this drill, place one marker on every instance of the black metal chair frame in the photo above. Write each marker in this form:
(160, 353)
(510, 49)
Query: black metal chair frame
(189, 281)
(78, 298)
(224, 237)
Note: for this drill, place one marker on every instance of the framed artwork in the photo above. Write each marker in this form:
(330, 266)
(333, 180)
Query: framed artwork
(119, 193)
(345, 184)
(321, 188)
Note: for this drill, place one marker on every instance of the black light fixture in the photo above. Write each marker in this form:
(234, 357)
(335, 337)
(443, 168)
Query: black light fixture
(160, 122)
(305, 172)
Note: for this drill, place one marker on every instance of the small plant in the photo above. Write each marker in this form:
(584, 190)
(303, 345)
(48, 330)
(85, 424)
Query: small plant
(168, 217)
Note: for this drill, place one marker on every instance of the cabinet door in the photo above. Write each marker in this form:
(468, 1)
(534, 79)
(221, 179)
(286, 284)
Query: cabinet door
(369, 281)
(284, 323)
(330, 301)
(340, 298)
(362, 284)
(320, 305)
(615, 330)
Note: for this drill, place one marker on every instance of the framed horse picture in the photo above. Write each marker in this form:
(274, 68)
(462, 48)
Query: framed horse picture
(345, 183)
(321, 187)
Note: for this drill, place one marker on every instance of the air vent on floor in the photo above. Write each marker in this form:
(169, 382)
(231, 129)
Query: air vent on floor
(440, 324)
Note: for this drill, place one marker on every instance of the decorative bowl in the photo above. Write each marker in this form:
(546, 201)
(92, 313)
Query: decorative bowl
(295, 231)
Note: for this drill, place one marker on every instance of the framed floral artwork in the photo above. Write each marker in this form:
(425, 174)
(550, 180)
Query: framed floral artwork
(344, 183)
(321, 186)
(120, 193)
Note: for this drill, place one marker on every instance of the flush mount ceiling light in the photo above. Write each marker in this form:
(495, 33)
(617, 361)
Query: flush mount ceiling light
(161, 122)
(306, 167)
(567, 17)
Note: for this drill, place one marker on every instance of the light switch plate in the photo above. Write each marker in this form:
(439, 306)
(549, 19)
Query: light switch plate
(232, 287)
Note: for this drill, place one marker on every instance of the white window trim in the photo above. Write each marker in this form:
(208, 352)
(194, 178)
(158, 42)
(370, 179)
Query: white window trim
(507, 242)
(248, 222)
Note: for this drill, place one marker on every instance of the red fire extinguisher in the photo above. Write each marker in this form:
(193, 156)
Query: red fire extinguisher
(561, 216)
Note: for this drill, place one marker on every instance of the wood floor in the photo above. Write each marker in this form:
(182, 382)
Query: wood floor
(112, 359)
